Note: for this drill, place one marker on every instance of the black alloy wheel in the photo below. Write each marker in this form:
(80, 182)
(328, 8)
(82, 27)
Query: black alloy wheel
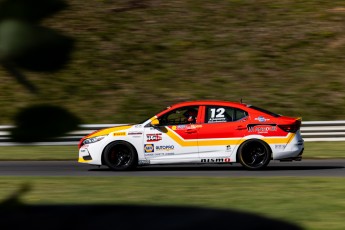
(254, 154)
(120, 156)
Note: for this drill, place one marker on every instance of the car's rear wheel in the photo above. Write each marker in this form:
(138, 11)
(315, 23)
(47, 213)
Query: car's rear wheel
(120, 155)
(254, 154)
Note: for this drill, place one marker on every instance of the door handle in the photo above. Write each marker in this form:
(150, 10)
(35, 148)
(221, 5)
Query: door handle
(190, 131)
(240, 127)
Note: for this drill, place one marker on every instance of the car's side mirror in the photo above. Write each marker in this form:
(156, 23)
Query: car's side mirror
(155, 122)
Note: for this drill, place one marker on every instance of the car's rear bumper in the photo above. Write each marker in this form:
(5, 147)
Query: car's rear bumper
(292, 151)
(297, 158)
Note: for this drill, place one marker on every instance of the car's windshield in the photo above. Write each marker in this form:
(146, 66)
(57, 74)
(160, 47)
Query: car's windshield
(264, 111)
(161, 110)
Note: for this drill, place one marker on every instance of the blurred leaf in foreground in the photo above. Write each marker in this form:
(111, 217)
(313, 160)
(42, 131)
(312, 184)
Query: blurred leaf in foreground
(24, 44)
(30, 10)
(33, 47)
(43, 122)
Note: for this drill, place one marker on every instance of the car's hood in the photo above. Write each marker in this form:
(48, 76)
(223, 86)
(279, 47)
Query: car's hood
(106, 131)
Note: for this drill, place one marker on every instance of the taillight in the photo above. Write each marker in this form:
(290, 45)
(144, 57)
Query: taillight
(291, 128)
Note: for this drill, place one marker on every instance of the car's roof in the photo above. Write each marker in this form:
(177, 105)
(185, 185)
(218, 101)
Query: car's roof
(209, 102)
(238, 105)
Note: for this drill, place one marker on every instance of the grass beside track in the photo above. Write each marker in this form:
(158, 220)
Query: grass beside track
(312, 203)
(313, 150)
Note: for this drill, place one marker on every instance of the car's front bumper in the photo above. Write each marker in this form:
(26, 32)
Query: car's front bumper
(91, 153)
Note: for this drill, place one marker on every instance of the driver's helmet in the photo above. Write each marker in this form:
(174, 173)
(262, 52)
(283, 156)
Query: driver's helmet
(191, 115)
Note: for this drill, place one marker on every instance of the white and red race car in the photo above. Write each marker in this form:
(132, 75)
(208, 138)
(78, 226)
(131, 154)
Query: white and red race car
(198, 132)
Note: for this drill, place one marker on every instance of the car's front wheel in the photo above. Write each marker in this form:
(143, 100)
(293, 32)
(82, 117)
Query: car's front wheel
(254, 154)
(120, 155)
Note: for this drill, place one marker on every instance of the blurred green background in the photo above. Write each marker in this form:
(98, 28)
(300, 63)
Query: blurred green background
(133, 58)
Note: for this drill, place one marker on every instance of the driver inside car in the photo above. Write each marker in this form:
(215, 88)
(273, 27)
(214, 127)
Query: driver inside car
(191, 115)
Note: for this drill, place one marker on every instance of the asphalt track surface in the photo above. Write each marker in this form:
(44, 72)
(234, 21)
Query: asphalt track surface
(323, 168)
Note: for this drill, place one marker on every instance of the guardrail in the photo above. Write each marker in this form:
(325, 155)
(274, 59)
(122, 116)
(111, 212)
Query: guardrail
(311, 131)
(323, 130)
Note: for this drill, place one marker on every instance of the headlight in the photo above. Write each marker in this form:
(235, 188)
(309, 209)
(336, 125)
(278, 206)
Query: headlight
(93, 139)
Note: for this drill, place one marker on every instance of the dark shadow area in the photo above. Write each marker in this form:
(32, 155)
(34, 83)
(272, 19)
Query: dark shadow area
(297, 168)
(15, 215)
(176, 168)
(236, 167)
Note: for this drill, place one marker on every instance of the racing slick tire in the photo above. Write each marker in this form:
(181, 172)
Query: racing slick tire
(254, 154)
(120, 156)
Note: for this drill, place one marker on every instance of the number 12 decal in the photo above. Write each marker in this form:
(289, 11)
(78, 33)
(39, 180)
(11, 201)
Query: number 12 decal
(220, 113)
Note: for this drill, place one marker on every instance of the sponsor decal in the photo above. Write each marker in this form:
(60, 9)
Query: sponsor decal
(216, 160)
(195, 126)
(215, 120)
(135, 133)
(280, 146)
(181, 127)
(154, 137)
(144, 162)
(120, 134)
(262, 128)
(261, 119)
(228, 148)
(149, 148)
(164, 154)
(137, 126)
(165, 148)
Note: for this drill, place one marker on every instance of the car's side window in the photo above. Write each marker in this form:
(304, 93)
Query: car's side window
(217, 114)
(239, 114)
(184, 115)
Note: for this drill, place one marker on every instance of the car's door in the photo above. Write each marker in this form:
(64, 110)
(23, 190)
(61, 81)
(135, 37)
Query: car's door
(221, 132)
(174, 140)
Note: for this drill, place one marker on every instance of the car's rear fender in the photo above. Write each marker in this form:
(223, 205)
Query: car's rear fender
(253, 139)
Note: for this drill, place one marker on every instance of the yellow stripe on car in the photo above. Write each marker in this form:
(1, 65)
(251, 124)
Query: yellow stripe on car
(81, 160)
(109, 130)
(233, 141)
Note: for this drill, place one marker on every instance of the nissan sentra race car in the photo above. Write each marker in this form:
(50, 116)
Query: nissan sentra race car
(198, 132)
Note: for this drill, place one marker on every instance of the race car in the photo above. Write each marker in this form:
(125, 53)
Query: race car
(198, 132)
